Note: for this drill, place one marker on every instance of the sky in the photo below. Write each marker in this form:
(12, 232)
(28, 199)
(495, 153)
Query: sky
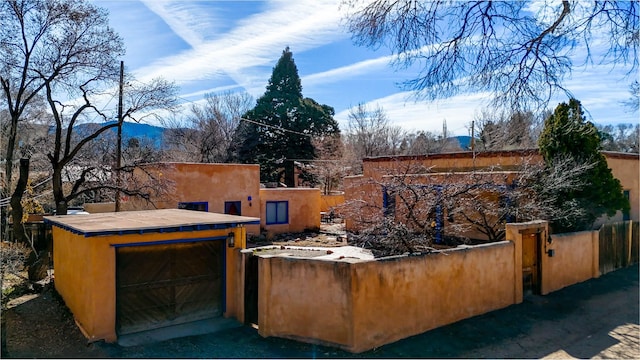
(233, 45)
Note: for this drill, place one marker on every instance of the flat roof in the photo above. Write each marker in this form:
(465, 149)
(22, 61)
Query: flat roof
(139, 222)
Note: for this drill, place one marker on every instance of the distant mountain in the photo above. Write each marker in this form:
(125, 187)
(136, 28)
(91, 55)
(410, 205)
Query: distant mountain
(465, 141)
(155, 134)
(135, 130)
(143, 132)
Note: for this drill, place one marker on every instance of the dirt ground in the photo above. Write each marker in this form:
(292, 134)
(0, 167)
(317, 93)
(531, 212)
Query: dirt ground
(330, 235)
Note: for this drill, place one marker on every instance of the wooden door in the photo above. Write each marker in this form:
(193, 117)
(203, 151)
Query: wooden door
(165, 285)
(531, 263)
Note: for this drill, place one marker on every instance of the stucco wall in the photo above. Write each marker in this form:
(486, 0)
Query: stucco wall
(361, 305)
(211, 183)
(72, 258)
(330, 201)
(308, 300)
(407, 296)
(626, 168)
(304, 209)
(461, 161)
(85, 270)
(575, 259)
(358, 214)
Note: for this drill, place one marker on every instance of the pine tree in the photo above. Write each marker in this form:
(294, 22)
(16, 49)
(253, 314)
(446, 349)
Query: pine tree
(279, 129)
(567, 134)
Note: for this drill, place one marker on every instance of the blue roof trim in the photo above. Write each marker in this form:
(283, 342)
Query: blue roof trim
(175, 241)
(182, 228)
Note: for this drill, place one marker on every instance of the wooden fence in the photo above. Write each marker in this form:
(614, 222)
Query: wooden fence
(618, 245)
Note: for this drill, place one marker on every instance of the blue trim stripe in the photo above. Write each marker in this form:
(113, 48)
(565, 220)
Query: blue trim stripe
(166, 242)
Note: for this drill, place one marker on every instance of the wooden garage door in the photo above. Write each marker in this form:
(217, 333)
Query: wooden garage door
(164, 285)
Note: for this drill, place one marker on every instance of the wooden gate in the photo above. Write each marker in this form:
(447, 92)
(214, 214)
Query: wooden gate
(169, 284)
(618, 245)
(531, 262)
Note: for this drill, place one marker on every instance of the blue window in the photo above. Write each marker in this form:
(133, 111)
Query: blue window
(277, 212)
(197, 206)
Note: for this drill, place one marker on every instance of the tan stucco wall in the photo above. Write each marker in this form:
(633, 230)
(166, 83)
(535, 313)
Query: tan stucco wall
(195, 182)
(407, 296)
(95, 208)
(363, 305)
(465, 161)
(624, 167)
(308, 300)
(358, 214)
(575, 259)
(85, 271)
(327, 202)
(304, 209)
(575, 256)
(627, 170)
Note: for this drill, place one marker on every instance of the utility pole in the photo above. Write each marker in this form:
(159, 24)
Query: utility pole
(473, 139)
(119, 144)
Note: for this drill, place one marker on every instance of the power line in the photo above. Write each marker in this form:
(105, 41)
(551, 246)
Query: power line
(275, 127)
(258, 123)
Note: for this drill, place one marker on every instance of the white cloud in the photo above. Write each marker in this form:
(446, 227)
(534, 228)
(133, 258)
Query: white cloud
(256, 41)
(192, 21)
(349, 71)
(404, 111)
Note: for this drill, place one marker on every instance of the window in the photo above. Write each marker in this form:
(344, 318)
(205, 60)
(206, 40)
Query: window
(389, 203)
(625, 215)
(197, 206)
(233, 207)
(277, 212)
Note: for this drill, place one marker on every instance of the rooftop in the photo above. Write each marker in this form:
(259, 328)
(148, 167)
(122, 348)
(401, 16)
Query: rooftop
(139, 222)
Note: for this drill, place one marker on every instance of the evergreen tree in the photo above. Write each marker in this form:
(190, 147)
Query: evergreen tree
(567, 134)
(279, 129)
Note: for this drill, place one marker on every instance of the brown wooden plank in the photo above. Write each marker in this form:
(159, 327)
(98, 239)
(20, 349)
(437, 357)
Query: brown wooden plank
(164, 285)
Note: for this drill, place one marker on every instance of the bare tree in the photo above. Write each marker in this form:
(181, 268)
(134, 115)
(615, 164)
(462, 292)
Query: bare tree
(331, 164)
(68, 144)
(506, 131)
(207, 133)
(633, 103)
(370, 133)
(50, 44)
(622, 137)
(519, 51)
(420, 208)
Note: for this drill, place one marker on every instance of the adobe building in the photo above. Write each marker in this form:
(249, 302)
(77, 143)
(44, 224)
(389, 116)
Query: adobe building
(625, 167)
(136, 271)
(233, 189)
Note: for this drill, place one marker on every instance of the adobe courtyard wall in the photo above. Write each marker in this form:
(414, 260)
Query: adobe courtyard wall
(359, 305)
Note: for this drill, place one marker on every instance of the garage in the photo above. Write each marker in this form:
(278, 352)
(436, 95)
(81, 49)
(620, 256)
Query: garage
(131, 272)
(166, 285)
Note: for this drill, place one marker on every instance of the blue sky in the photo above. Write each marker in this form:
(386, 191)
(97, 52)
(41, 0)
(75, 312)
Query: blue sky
(215, 46)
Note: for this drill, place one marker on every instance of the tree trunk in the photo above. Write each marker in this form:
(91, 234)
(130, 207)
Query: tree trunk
(58, 193)
(16, 204)
(289, 173)
(8, 171)
(11, 145)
